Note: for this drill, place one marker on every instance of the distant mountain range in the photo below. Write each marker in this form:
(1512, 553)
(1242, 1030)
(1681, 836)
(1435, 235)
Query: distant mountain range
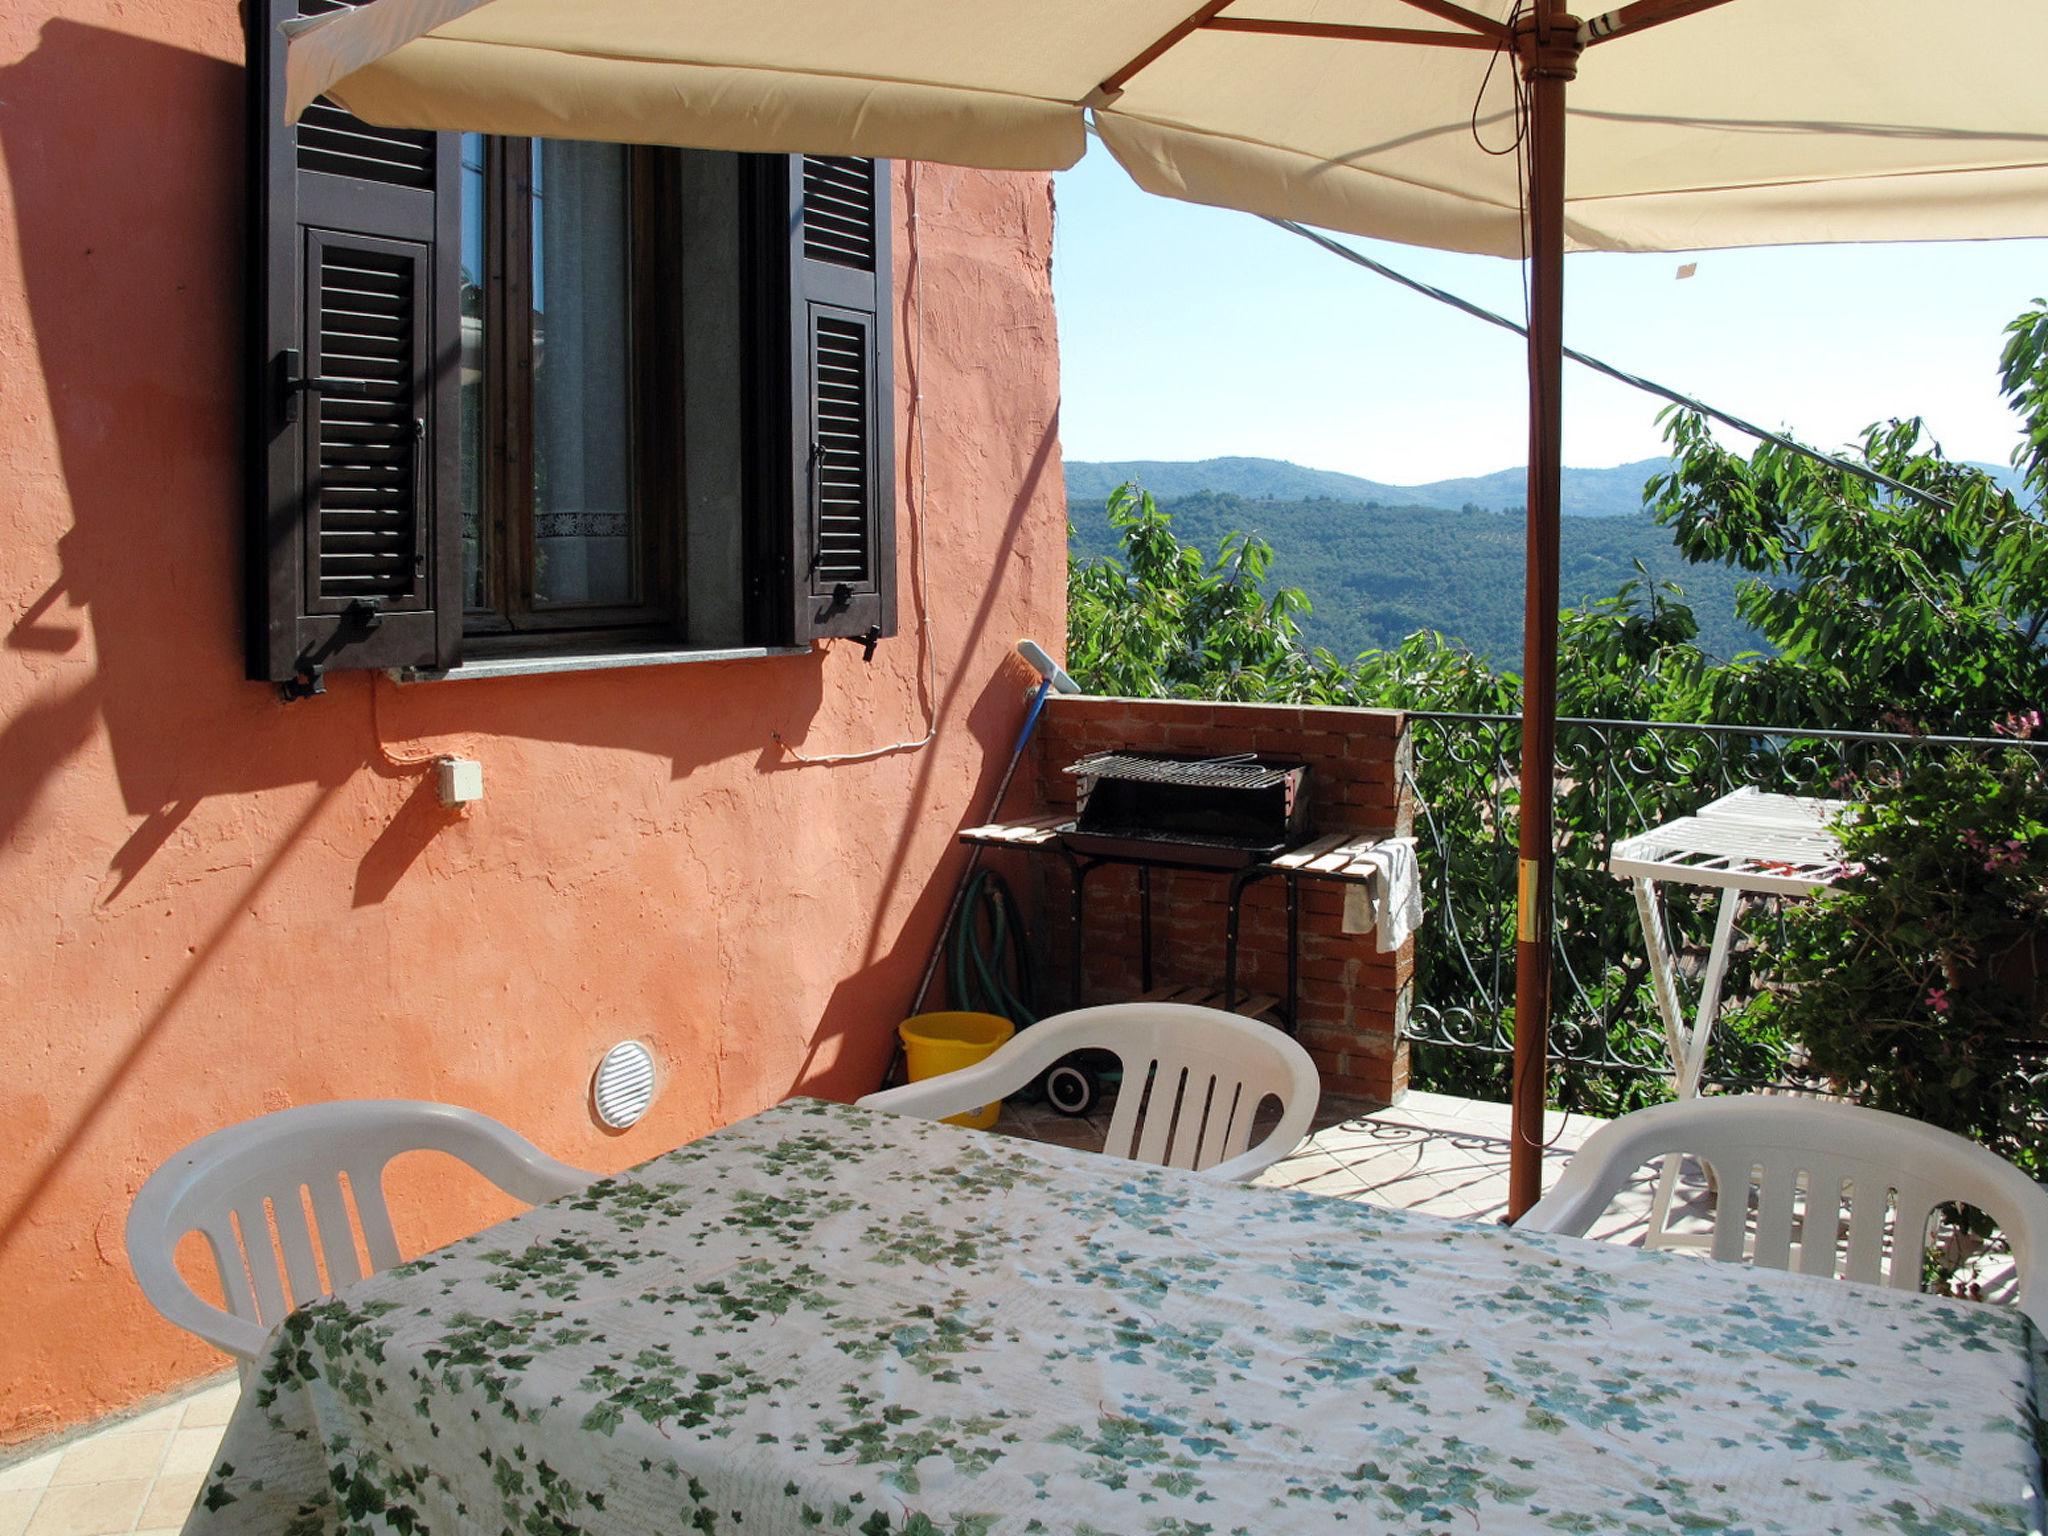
(1380, 561)
(1616, 492)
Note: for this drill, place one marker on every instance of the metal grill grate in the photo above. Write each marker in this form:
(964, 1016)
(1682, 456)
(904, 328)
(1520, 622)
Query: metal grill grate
(1239, 771)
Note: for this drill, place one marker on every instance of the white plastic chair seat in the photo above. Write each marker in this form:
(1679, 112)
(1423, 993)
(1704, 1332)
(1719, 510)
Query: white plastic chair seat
(1818, 1188)
(255, 1179)
(1193, 1080)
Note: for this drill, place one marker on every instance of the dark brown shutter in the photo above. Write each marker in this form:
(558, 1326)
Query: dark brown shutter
(355, 504)
(842, 398)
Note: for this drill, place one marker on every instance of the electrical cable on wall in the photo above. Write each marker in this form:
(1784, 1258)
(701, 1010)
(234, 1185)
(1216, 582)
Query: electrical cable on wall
(920, 576)
(404, 762)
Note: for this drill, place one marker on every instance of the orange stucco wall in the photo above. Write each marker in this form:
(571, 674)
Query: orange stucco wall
(213, 904)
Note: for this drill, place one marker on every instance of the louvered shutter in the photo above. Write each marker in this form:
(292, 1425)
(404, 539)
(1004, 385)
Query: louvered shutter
(842, 398)
(355, 516)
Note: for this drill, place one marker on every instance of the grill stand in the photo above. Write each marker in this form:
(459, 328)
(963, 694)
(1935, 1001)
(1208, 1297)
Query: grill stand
(1080, 867)
(1336, 858)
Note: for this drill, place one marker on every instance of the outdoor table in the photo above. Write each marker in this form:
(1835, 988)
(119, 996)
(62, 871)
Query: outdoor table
(1744, 844)
(827, 1319)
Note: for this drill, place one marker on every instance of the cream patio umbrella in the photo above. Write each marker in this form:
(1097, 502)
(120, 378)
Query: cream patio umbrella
(1693, 123)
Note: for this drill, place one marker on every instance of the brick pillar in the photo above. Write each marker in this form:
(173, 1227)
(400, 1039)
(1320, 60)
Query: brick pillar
(1354, 999)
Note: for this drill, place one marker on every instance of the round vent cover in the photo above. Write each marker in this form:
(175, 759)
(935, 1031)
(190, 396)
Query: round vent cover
(624, 1084)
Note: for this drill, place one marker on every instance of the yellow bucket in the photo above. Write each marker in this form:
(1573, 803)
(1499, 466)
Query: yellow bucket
(937, 1043)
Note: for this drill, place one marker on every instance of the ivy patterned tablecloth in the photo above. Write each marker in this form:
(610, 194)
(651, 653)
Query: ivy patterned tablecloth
(824, 1319)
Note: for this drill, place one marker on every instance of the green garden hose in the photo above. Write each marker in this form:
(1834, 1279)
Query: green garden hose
(987, 967)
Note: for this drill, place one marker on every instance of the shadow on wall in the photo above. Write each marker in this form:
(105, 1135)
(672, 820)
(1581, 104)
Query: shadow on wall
(842, 1059)
(135, 293)
(126, 161)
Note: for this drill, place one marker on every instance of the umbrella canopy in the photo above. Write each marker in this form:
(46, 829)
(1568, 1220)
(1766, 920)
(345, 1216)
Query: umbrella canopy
(1760, 122)
(1693, 123)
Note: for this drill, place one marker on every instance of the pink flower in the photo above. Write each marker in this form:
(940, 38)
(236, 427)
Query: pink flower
(1937, 999)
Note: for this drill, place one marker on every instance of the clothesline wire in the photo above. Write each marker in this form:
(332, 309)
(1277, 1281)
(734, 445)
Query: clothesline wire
(1634, 381)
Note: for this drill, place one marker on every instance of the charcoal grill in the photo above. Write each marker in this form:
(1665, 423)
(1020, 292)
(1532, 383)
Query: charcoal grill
(1213, 812)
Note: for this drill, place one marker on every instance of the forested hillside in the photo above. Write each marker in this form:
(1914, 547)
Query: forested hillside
(1377, 574)
(1616, 492)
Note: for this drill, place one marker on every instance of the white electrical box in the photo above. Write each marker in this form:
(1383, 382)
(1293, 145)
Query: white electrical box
(459, 780)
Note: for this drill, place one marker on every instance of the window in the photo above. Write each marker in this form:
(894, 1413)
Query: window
(517, 397)
(571, 360)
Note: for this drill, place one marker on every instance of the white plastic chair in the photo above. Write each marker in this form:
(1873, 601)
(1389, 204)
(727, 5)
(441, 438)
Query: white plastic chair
(1832, 1189)
(252, 1181)
(1193, 1080)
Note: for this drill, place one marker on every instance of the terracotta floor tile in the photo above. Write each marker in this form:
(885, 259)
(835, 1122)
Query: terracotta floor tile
(33, 1473)
(213, 1406)
(165, 1418)
(192, 1451)
(16, 1505)
(89, 1509)
(111, 1457)
(170, 1500)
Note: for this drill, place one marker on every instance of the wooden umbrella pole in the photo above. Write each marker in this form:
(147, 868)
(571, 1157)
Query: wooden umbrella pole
(1548, 46)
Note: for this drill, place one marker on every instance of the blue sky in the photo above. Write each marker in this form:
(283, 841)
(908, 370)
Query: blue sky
(1189, 332)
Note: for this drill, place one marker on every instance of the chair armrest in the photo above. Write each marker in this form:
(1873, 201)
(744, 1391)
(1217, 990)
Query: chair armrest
(1586, 1188)
(951, 1093)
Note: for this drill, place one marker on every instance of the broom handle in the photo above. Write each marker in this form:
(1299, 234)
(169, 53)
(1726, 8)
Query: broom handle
(931, 967)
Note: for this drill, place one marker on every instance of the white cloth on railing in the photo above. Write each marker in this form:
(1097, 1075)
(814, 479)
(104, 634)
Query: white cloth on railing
(1390, 905)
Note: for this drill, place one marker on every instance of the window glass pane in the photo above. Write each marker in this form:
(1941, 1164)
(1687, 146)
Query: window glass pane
(584, 534)
(472, 424)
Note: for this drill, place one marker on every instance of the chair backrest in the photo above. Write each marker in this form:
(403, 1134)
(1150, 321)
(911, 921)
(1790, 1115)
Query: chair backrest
(1819, 1188)
(1193, 1081)
(247, 1190)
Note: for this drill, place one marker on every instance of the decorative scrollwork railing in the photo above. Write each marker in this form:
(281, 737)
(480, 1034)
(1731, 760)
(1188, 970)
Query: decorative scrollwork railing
(1614, 778)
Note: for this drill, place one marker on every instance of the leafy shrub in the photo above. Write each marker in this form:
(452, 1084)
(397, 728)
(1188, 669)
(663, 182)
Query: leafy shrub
(1918, 980)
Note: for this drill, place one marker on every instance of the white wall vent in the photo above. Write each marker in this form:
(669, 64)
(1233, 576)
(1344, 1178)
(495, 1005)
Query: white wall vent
(623, 1086)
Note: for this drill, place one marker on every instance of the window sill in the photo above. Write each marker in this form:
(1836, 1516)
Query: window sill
(591, 661)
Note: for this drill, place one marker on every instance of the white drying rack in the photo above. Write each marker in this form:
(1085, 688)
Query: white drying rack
(1745, 844)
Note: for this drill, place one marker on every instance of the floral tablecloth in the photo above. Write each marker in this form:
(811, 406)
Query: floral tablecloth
(824, 1319)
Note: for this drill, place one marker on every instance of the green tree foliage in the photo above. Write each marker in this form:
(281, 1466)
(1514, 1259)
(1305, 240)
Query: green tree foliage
(1164, 621)
(1377, 573)
(1886, 611)
(1923, 975)
(1883, 607)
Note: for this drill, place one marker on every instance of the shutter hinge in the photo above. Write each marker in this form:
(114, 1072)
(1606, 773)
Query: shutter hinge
(360, 619)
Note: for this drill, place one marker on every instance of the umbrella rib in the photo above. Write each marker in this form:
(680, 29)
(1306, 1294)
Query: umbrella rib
(1637, 17)
(1444, 10)
(1112, 85)
(1345, 32)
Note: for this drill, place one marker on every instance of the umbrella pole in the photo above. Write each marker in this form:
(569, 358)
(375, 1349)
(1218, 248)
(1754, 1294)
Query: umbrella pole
(1548, 46)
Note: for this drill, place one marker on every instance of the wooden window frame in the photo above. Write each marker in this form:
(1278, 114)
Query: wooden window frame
(337, 182)
(511, 620)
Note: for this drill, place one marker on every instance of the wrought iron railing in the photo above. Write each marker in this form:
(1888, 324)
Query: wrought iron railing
(1614, 778)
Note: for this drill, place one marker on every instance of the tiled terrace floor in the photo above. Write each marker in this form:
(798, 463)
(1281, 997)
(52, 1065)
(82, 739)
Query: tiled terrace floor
(138, 1474)
(1430, 1153)
(1444, 1156)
